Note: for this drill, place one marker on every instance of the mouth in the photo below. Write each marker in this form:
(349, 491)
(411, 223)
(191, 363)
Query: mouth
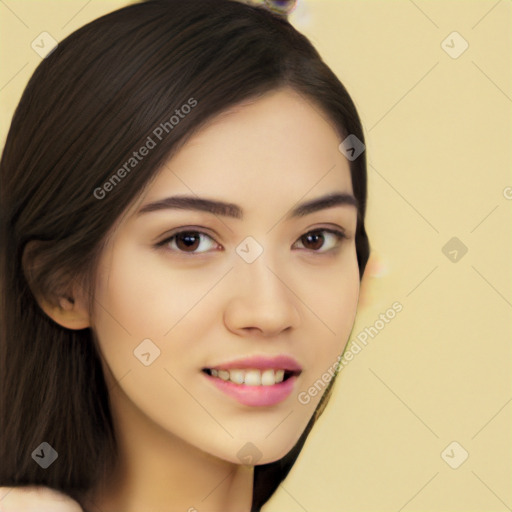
(252, 376)
(255, 381)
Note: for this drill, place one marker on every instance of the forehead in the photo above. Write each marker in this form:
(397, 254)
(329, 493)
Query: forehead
(280, 148)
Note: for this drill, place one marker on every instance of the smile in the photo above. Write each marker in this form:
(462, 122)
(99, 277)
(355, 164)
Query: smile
(256, 381)
(251, 377)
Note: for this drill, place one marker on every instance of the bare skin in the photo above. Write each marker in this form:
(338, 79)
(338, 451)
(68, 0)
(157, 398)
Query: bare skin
(180, 437)
(35, 499)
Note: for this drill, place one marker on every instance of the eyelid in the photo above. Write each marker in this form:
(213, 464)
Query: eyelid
(186, 229)
(338, 232)
(335, 230)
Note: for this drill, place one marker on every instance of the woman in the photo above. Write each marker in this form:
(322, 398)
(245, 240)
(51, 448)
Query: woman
(183, 202)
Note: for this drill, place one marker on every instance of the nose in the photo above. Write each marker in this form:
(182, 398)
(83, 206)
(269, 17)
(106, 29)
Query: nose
(261, 301)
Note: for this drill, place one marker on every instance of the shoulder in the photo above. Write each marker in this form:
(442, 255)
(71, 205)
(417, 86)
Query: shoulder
(35, 499)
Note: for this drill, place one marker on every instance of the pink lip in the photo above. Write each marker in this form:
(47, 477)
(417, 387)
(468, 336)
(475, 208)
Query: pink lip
(256, 396)
(261, 363)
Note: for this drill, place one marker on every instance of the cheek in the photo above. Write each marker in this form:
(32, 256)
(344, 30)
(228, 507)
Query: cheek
(141, 297)
(333, 298)
(334, 301)
(144, 294)
(125, 310)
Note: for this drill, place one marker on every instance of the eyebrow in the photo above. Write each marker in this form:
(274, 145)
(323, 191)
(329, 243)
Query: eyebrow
(232, 210)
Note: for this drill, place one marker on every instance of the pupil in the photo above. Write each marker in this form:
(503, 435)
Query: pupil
(188, 239)
(318, 238)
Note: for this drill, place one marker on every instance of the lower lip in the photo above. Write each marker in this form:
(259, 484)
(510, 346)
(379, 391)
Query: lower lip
(256, 396)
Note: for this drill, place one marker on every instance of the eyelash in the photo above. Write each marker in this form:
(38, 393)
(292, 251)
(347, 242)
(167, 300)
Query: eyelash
(339, 234)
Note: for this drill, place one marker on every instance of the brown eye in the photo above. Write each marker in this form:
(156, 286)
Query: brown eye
(315, 240)
(187, 242)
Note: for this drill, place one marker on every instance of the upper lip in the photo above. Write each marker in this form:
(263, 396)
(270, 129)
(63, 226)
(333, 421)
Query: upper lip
(261, 362)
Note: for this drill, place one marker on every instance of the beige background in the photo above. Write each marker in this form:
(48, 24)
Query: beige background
(438, 145)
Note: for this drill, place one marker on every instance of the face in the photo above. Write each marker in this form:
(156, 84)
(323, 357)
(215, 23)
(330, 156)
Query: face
(216, 323)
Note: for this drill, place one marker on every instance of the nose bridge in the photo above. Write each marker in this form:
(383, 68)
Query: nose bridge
(263, 277)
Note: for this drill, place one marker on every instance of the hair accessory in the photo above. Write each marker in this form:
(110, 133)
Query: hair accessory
(280, 7)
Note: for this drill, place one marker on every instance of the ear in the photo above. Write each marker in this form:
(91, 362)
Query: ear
(70, 312)
(68, 308)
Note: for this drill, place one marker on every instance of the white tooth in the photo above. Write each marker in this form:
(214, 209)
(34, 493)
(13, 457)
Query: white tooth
(223, 374)
(215, 373)
(237, 376)
(279, 376)
(267, 378)
(253, 378)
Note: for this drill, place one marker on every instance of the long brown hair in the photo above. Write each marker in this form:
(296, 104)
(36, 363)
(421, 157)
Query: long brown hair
(93, 101)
